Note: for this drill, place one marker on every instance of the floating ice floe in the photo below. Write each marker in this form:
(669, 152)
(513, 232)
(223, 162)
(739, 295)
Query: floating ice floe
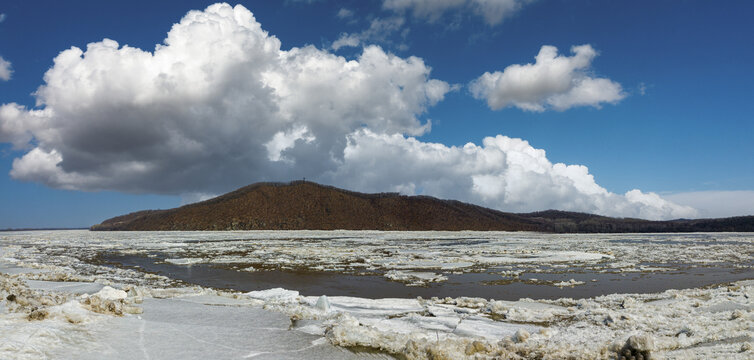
(571, 282)
(414, 278)
(184, 261)
(544, 257)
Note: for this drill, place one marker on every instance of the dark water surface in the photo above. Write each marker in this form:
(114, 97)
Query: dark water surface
(485, 285)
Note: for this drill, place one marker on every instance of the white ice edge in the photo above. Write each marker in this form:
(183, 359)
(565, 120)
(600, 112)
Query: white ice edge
(184, 261)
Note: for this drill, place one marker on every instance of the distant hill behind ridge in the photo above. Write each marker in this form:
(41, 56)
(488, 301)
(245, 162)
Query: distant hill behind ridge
(304, 205)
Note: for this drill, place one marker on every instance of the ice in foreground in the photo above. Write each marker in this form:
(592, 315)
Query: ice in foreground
(55, 305)
(51, 320)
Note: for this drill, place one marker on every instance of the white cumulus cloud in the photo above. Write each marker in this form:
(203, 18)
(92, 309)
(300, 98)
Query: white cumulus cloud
(553, 81)
(219, 105)
(503, 173)
(6, 70)
(208, 109)
(492, 11)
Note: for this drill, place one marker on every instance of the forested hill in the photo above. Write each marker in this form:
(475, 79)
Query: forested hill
(309, 206)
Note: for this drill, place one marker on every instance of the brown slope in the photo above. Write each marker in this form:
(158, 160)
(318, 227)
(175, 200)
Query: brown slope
(310, 206)
(307, 205)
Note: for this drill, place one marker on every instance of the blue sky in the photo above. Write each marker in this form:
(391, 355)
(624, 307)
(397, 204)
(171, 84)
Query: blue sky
(680, 125)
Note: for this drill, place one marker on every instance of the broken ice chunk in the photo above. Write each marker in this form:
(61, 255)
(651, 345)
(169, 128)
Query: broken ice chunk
(414, 278)
(323, 304)
(571, 282)
(109, 293)
(276, 295)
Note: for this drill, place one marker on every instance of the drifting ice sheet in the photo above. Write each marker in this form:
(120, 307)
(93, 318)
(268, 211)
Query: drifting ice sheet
(414, 278)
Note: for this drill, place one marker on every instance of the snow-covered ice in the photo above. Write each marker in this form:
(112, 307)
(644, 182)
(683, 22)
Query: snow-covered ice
(59, 300)
(276, 295)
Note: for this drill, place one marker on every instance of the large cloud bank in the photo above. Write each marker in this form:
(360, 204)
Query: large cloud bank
(220, 105)
(553, 81)
(503, 173)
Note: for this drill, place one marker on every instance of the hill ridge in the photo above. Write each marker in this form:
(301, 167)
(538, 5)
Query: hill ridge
(306, 205)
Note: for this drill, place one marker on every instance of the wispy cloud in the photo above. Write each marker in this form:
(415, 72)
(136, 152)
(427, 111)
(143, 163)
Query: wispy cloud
(380, 31)
(715, 204)
(493, 12)
(6, 70)
(344, 13)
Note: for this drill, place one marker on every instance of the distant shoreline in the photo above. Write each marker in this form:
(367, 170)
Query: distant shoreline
(44, 229)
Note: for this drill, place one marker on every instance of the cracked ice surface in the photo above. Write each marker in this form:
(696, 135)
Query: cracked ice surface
(355, 251)
(67, 304)
(186, 323)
